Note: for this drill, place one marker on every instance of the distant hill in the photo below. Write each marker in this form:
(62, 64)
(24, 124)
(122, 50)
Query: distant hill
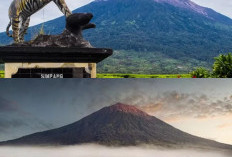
(121, 125)
(152, 36)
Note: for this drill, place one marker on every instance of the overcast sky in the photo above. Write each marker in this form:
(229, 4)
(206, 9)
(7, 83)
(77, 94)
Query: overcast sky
(200, 107)
(51, 11)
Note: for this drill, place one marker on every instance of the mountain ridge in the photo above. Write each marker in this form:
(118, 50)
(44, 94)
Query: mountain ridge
(188, 4)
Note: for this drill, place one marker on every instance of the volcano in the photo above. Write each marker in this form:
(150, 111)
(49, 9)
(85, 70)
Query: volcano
(120, 125)
(151, 36)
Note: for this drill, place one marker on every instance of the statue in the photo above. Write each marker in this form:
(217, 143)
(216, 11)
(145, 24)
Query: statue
(71, 36)
(20, 12)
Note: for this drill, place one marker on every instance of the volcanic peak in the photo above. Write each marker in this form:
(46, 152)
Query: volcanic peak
(187, 4)
(120, 107)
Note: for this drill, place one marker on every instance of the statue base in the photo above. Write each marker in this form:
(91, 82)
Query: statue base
(51, 62)
(50, 70)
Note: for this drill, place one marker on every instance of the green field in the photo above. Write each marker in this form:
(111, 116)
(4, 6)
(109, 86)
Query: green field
(1, 74)
(133, 75)
(143, 76)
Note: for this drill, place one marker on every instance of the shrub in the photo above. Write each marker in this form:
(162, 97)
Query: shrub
(222, 67)
(200, 73)
(37, 34)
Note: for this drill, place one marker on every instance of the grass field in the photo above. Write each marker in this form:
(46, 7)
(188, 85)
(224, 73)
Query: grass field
(143, 76)
(132, 75)
(1, 74)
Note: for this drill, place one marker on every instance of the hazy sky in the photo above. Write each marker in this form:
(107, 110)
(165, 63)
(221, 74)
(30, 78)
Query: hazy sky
(222, 6)
(51, 11)
(200, 107)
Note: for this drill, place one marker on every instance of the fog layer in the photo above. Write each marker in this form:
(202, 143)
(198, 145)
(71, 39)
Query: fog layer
(101, 151)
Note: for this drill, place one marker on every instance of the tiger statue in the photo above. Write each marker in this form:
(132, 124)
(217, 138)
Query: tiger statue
(20, 12)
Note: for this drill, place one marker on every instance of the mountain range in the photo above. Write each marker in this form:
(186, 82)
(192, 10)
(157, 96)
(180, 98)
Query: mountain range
(118, 125)
(151, 36)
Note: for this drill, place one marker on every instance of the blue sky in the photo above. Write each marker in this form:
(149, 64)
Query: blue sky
(200, 107)
(51, 11)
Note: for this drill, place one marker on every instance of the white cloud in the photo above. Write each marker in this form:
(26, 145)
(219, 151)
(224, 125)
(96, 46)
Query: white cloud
(101, 151)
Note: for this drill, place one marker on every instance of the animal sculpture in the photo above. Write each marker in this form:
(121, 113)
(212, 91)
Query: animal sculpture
(20, 12)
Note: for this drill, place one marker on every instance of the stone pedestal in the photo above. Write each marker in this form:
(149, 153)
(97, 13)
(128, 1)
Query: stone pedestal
(50, 70)
(51, 62)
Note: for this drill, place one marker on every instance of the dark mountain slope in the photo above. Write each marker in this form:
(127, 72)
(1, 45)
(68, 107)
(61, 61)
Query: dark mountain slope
(119, 124)
(179, 31)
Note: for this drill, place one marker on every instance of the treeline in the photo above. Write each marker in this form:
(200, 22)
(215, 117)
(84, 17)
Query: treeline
(222, 68)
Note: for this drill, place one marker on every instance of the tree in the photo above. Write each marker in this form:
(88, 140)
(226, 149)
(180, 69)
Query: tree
(200, 73)
(222, 67)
